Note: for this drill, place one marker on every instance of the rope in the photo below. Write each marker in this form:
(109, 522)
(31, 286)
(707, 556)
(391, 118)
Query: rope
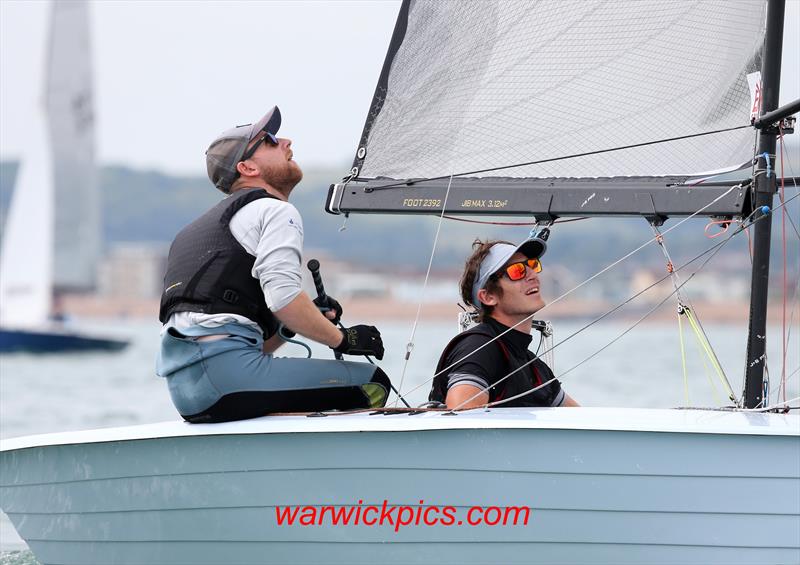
(485, 222)
(686, 309)
(683, 360)
(585, 282)
(562, 158)
(704, 347)
(782, 387)
(773, 406)
(715, 249)
(410, 344)
(797, 233)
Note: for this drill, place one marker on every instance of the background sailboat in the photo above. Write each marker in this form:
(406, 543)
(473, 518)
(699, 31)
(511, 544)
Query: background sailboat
(51, 242)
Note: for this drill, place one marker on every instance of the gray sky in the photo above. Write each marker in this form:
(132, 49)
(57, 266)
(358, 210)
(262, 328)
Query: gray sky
(170, 75)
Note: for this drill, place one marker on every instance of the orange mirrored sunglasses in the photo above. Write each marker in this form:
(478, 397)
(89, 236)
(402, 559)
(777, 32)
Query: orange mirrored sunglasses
(516, 271)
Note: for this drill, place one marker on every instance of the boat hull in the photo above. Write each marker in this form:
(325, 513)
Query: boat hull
(31, 341)
(594, 496)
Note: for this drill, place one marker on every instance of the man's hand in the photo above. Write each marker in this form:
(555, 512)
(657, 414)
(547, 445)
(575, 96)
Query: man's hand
(361, 340)
(330, 307)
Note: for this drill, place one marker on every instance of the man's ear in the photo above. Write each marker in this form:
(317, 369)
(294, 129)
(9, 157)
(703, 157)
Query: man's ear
(246, 168)
(486, 297)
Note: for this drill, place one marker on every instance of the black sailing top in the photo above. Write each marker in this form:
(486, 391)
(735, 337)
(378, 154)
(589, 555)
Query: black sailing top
(486, 368)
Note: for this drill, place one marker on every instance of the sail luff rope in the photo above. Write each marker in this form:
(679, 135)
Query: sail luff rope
(552, 159)
(410, 344)
(585, 282)
(716, 248)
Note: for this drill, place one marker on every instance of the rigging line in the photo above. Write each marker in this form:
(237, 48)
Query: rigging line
(794, 182)
(683, 361)
(716, 248)
(793, 373)
(701, 348)
(772, 407)
(410, 344)
(585, 282)
(470, 221)
(636, 323)
(562, 158)
(694, 322)
(785, 158)
(712, 355)
(670, 270)
(562, 375)
(795, 303)
(784, 285)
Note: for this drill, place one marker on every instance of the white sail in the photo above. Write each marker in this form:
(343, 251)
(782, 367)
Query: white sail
(26, 260)
(70, 112)
(518, 81)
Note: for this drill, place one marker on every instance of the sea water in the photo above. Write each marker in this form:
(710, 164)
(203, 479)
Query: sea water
(54, 393)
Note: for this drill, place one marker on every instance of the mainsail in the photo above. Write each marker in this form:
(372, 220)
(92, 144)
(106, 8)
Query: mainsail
(70, 113)
(518, 81)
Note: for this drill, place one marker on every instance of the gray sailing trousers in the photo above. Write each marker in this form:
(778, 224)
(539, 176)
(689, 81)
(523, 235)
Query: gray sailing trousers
(200, 373)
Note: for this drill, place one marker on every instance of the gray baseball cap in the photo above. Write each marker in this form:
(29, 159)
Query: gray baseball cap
(227, 149)
(499, 255)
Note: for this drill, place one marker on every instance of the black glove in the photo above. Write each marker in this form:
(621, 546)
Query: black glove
(327, 304)
(361, 340)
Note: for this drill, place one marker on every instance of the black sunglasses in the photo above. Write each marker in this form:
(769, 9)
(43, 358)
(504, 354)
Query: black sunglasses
(266, 138)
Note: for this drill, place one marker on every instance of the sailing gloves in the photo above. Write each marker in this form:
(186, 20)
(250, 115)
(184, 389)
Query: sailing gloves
(325, 304)
(361, 340)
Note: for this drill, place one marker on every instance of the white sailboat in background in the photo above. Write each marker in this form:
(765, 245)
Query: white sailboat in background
(603, 485)
(51, 242)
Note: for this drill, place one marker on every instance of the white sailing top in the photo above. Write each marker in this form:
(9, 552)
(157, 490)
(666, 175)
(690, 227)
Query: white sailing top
(272, 231)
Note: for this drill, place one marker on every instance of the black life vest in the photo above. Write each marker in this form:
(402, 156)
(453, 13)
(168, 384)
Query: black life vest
(523, 380)
(209, 271)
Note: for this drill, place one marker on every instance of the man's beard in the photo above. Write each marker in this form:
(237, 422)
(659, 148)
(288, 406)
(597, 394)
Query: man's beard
(283, 177)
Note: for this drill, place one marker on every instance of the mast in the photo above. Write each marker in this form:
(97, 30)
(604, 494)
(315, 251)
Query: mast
(765, 187)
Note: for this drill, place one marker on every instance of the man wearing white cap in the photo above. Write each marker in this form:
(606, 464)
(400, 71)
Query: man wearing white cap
(233, 280)
(491, 362)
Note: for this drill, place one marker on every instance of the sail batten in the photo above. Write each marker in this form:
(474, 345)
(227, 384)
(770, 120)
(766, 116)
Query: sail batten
(476, 85)
(653, 198)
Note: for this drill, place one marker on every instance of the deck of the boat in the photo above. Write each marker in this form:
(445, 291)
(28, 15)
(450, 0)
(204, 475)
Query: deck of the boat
(584, 418)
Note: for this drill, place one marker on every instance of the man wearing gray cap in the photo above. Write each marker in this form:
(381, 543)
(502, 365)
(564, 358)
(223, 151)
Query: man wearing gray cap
(233, 281)
(491, 362)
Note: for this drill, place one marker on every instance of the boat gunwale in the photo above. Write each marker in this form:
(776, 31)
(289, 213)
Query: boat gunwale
(654, 420)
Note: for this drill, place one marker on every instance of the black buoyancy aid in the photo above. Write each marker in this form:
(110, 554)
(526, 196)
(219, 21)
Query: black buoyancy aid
(523, 380)
(209, 271)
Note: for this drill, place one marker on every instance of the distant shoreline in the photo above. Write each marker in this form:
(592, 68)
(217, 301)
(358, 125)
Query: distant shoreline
(368, 309)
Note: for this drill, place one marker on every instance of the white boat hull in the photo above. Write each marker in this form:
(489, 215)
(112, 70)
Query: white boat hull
(690, 487)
